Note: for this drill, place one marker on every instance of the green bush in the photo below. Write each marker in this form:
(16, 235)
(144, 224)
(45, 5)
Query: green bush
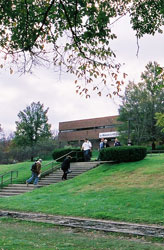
(77, 154)
(123, 154)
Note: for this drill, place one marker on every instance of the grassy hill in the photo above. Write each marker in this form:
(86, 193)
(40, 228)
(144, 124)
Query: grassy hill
(132, 192)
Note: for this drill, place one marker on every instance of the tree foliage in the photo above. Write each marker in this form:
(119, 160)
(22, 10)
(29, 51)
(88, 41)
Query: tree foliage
(140, 104)
(147, 17)
(32, 126)
(160, 120)
(75, 34)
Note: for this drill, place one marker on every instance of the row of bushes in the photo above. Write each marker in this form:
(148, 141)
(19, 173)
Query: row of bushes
(123, 153)
(116, 154)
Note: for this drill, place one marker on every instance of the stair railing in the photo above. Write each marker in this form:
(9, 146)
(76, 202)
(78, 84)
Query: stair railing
(8, 177)
(53, 165)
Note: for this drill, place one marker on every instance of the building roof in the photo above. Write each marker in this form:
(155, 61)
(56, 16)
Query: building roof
(87, 123)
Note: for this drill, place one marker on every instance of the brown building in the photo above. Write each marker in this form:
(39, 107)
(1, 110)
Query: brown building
(74, 132)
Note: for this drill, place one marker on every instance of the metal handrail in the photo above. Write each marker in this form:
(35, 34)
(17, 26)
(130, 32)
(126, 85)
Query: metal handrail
(64, 155)
(44, 173)
(10, 179)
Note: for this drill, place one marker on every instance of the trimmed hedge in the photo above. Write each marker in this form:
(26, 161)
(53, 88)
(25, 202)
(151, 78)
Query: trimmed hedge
(77, 154)
(123, 153)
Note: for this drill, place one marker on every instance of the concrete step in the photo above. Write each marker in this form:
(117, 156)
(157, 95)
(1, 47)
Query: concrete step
(58, 176)
(49, 183)
(8, 194)
(18, 188)
(14, 190)
(21, 185)
(73, 171)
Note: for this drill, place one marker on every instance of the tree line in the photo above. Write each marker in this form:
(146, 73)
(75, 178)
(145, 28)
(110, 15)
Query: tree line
(142, 109)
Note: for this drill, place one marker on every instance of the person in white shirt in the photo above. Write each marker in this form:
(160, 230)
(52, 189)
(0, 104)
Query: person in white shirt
(87, 148)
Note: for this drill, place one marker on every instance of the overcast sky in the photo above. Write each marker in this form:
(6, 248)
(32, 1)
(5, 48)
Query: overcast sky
(58, 93)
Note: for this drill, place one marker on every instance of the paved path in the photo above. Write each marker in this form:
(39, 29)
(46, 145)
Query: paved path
(86, 223)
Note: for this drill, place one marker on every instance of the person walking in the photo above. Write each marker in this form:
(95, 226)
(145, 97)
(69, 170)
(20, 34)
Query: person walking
(36, 171)
(66, 167)
(87, 149)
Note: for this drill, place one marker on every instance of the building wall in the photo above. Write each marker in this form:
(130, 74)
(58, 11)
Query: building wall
(78, 130)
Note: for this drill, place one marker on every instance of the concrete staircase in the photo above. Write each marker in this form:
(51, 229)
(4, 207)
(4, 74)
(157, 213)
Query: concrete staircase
(15, 189)
(55, 177)
(77, 169)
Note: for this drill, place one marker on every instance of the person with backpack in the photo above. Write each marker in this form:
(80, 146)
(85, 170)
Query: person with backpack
(36, 171)
(65, 166)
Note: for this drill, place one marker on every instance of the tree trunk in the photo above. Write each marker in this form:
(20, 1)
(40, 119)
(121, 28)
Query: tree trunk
(153, 145)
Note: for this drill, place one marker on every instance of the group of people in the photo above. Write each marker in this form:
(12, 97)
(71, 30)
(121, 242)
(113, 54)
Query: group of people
(104, 143)
(65, 166)
(87, 147)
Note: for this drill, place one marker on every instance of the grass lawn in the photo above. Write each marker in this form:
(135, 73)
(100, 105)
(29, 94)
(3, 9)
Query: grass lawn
(39, 236)
(132, 192)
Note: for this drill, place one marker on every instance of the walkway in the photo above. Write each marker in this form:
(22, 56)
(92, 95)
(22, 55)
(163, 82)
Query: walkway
(92, 224)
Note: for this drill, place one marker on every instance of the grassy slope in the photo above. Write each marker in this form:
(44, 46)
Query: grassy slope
(126, 192)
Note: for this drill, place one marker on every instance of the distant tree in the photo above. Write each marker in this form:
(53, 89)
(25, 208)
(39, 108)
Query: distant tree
(140, 103)
(160, 121)
(32, 126)
(77, 34)
(1, 132)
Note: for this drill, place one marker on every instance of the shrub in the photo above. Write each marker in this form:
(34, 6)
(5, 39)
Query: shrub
(77, 154)
(123, 154)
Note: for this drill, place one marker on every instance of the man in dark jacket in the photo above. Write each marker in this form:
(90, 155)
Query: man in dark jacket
(117, 143)
(66, 167)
